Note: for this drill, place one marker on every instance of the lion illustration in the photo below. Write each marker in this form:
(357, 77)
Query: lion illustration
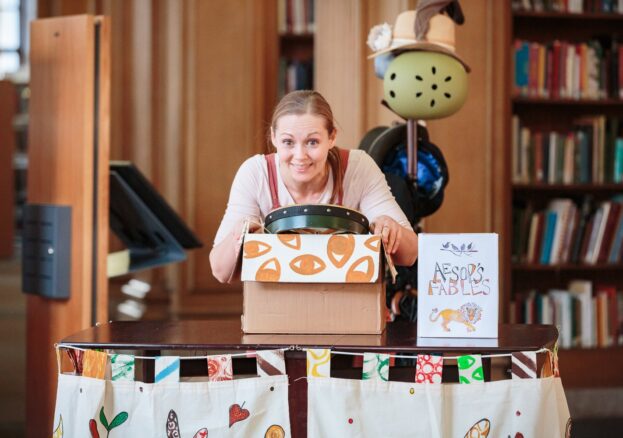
(468, 314)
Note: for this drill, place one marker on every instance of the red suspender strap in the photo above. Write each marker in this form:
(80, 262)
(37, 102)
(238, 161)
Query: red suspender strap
(344, 162)
(272, 179)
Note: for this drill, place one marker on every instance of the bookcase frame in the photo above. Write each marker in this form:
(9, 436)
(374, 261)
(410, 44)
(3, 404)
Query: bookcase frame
(577, 364)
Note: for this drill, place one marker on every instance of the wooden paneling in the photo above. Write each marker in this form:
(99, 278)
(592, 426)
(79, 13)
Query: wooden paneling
(226, 51)
(62, 159)
(57, 8)
(339, 61)
(344, 74)
(378, 12)
(8, 109)
(465, 137)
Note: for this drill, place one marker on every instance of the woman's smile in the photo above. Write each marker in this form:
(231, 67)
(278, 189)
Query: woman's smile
(303, 144)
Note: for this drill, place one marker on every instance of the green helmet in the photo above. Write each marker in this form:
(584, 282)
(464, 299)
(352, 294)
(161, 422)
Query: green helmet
(425, 85)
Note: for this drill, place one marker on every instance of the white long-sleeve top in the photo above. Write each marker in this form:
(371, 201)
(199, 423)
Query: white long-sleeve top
(365, 190)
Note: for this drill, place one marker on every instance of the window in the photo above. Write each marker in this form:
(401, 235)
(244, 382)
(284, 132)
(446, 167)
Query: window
(10, 36)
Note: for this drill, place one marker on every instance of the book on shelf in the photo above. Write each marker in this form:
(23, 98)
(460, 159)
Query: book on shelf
(294, 75)
(568, 70)
(565, 232)
(295, 17)
(569, 6)
(589, 152)
(587, 315)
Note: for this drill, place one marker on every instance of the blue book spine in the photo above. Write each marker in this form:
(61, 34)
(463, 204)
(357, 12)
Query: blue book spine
(618, 160)
(548, 237)
(521, 65)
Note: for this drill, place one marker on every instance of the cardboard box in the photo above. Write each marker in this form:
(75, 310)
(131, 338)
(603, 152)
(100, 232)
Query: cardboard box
(316, 284)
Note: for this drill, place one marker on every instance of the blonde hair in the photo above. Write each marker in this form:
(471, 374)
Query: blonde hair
(311, 102)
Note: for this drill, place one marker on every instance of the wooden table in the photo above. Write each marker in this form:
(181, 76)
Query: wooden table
(153, 337)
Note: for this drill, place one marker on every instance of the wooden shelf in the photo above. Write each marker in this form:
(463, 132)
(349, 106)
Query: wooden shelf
(566, 189)
(567, 15)
(521, 100)
(297, 37)
(578, 365)
(521, 267)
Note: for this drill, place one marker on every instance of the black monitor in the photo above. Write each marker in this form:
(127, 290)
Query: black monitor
(152, 232)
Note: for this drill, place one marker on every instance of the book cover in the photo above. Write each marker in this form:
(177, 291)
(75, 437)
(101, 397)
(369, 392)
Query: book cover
(458, 285)
(548, 237)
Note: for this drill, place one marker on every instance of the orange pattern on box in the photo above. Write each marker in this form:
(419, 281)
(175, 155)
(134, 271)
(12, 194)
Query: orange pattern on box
(340, 249)
(290, 240)
(269, 271)
(253, 248)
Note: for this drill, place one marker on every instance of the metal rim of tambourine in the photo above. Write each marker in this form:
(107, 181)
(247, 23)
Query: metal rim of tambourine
(316, 219)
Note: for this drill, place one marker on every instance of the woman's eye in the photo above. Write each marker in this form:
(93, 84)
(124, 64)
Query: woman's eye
(287, 142)
(313, 142)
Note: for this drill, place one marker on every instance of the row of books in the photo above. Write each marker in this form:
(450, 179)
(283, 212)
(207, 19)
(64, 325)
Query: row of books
(295, 17)
(573, 6)
(568, 233)
(565, 70)
(590, 153)
(586, 315)
(294, 75)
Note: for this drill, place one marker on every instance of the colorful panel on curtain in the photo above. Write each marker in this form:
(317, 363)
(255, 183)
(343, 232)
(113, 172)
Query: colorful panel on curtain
(373, 408)
(255, 406)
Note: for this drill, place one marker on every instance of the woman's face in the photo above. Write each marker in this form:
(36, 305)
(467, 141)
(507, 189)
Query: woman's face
(303, 143)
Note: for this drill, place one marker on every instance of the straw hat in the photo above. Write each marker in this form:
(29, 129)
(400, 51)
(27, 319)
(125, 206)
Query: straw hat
(438, 36)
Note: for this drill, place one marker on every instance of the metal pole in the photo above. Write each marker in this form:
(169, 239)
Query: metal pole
(412, 150)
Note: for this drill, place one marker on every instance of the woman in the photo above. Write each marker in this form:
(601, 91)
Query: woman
(309, 169)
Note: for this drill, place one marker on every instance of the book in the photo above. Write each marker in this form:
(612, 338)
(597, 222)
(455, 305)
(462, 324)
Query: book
(583, 291)
(548, 237)
(563, 304)
(615, 248)
(597, 233)
(609, 230)
(458, 291)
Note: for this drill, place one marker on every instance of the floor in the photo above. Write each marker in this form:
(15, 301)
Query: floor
(596, 413)
(13, 347)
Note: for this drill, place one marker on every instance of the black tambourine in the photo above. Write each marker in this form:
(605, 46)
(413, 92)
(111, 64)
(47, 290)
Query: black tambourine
(316, 219)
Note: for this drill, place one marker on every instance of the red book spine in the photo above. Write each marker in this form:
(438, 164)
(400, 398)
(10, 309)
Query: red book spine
(555, 73)
(611, 223)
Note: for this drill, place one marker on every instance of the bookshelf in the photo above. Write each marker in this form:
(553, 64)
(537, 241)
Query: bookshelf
(295, 22)
(565, 179)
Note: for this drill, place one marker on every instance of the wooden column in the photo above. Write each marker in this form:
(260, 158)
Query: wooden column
(8, 108)
(68, 165)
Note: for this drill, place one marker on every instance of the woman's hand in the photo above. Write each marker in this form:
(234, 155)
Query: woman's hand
(224, 256)
(236, 231)
(390, 231)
